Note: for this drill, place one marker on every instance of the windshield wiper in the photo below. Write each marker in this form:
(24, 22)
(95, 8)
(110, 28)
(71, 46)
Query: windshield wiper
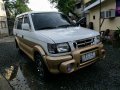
(50, 27)
(47, 28)
(66, 25)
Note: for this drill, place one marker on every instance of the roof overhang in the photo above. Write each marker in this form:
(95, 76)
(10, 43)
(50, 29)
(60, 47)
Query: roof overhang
(93, 5)
(78, 1)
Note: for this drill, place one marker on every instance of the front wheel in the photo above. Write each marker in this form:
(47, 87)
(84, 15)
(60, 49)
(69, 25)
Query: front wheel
(40, 66)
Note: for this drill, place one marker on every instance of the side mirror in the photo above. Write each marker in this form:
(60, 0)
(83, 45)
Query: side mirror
(26, 26)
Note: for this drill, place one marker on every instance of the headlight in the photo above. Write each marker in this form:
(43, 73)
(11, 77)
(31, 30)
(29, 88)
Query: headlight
(97, 39)
(63, 47)
(58, 48)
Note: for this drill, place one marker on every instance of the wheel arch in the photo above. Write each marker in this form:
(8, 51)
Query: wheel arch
(41, 51)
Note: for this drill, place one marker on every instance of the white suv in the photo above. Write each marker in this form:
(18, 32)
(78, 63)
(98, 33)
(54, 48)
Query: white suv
(55, 43)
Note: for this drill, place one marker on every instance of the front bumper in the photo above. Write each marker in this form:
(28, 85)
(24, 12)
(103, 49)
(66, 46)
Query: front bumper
(70, 63)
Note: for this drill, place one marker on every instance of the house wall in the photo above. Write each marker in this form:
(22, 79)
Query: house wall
(2, 12)
(111, 24)
(3, 20)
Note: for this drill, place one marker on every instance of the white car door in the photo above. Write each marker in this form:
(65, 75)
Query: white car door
(27, 35)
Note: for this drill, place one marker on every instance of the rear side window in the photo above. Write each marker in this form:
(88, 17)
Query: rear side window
(19, 24)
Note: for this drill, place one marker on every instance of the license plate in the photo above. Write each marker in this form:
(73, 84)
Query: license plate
(88, 56)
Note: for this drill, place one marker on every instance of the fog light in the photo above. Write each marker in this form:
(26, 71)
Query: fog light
(69, 68)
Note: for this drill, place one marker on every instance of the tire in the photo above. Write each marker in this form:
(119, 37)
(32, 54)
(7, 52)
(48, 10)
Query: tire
(40, 66)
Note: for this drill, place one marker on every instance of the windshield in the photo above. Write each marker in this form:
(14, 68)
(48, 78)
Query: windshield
(50, 20)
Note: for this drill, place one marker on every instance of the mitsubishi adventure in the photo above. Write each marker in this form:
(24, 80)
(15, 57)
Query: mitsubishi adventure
(55, 43)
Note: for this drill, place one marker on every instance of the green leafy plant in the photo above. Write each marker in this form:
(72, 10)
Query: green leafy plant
(119, 36)
(118, 30)
(15, 7)
(117, 33)
(65, 6)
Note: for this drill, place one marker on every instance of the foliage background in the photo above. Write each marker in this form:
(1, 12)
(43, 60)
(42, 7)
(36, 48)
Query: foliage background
(65, 6)
(13, 8)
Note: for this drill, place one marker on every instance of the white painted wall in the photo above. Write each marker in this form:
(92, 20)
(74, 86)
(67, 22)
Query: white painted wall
(111, 24)
(3, 14)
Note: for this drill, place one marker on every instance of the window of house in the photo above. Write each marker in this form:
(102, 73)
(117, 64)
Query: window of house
(94, 17)
(107, 13)
(19, 23)
(3, 22)
(78, 5)
(102, 14)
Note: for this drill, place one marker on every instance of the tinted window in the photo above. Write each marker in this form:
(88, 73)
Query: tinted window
(19, 24)
(49, 20)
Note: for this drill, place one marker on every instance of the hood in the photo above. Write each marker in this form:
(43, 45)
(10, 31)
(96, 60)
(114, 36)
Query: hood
(68, 34)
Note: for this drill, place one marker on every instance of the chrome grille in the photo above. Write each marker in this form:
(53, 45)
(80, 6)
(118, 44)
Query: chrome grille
(83, 43)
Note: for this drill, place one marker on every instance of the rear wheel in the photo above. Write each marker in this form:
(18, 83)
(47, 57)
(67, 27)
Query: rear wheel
(40, 66)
